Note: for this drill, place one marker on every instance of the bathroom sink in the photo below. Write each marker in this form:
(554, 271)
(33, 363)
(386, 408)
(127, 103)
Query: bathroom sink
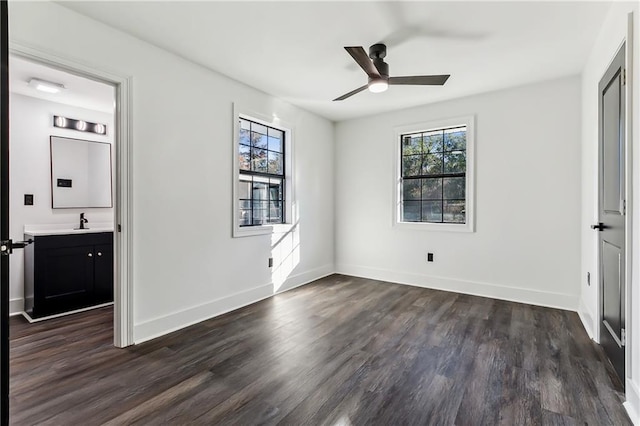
(63, 229)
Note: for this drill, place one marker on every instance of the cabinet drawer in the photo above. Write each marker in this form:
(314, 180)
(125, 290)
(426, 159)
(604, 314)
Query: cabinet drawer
(74, 240)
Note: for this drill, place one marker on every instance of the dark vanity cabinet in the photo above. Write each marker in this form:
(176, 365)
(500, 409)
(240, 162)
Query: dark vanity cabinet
(68, 272)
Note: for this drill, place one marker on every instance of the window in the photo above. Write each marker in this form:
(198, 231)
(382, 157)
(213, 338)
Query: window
(435, 175)
(261, 164)
(262, 167)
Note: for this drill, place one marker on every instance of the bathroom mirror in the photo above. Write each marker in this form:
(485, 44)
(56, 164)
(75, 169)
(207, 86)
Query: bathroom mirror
(80, 173)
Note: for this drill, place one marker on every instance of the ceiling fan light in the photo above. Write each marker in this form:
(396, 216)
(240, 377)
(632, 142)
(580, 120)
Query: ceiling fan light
(378, 86)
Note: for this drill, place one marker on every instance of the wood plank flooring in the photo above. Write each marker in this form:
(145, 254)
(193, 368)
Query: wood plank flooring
(340, 351)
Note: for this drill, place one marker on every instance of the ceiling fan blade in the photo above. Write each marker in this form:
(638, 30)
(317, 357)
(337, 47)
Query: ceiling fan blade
(351, 93)
(360, 56)
(423, 80)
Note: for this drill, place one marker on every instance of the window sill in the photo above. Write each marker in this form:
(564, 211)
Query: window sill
(437, 227)
(250, 231)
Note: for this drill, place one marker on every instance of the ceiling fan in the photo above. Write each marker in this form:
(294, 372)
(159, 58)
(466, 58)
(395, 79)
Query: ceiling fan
(378, 71)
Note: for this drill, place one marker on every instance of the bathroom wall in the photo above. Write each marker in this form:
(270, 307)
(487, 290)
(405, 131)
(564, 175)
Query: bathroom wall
(30, 173)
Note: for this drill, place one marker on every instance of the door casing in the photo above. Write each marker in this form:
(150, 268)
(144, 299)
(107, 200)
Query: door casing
(4, 210)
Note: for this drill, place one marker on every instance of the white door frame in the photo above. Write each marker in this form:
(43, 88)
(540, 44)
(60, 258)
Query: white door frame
(629, 87)
(123, 253)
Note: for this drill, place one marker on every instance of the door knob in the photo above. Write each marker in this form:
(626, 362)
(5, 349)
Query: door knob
(90, 254)
(600, 226)
(99, 254)
(7, 246)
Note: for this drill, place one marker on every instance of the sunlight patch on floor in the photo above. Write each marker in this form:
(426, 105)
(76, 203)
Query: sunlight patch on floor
(343, 421)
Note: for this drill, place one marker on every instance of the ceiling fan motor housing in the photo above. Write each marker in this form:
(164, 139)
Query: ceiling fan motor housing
(378, 51)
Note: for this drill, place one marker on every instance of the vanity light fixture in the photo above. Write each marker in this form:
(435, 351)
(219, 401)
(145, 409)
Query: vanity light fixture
(80, 125)
(60, 122)
(46, 86)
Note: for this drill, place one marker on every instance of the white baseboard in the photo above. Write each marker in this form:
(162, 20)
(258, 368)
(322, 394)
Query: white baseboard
(513, 294)
(632, 404)
(175, 321)
(16, 306)
(586, 316)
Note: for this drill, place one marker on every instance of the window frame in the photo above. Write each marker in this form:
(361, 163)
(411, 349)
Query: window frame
(469, 225)
(245, 231)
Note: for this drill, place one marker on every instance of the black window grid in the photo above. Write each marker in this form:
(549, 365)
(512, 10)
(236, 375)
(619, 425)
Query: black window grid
(269, 201)
(253, 148)
(439, 175)
(269, 176)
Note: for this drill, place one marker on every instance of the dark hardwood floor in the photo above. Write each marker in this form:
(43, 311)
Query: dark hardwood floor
(340, 351)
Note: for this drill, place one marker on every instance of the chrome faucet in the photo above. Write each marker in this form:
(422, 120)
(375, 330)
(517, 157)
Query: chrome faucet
(83, 221)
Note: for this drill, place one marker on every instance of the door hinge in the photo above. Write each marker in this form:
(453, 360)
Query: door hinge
(624, 207)
(624, 76)
(623, 336)
(119, 228)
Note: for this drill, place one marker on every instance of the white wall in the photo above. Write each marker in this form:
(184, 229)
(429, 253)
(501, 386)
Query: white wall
(610, 38)
(527, 241)
(30, 173)
(186, 265)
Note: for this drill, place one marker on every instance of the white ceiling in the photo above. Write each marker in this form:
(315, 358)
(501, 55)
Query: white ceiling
(293, 50)
(80, 92)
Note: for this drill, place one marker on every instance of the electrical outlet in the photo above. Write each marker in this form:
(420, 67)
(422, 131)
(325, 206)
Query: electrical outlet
(28, 199)
(589, 278)
(271, 262)
(429, 257)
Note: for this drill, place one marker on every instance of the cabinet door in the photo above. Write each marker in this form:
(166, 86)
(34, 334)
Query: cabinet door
(103, 273)
(66, 282)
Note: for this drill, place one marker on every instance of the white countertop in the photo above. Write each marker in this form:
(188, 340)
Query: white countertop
(65, 228)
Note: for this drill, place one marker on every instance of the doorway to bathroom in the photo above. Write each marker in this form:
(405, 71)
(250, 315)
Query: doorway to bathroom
(61, 138)
(69, 191)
